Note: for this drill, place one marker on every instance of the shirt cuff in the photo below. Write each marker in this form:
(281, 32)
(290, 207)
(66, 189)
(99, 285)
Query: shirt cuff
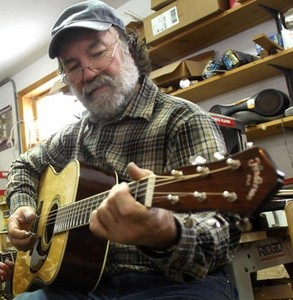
(158, 253)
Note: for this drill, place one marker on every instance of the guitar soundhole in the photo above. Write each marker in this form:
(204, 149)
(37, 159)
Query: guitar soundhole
(51, 223)
(41, 247)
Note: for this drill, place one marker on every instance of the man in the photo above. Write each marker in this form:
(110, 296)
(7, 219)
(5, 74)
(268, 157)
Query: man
(135, 130)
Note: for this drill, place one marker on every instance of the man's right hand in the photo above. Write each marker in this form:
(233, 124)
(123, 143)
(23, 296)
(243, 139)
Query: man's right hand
(19, 228)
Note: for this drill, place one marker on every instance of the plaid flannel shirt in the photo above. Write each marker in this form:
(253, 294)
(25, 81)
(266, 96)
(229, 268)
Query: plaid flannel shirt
(158, 132)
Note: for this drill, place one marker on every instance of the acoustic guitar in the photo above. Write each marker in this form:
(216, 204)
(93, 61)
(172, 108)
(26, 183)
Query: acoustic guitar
(66, 253)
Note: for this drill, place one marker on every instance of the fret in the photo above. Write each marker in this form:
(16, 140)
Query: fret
(77, 214)
(71, 217)
(84, 218)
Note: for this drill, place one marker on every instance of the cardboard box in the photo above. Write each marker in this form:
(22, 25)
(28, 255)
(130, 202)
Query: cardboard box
(189, 68)
(158, 4)
(276, 38)
(178, 16)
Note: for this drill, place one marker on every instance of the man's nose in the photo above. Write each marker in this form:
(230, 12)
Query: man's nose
(88, 73)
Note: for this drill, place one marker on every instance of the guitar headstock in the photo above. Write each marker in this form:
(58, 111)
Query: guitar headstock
(239, 184)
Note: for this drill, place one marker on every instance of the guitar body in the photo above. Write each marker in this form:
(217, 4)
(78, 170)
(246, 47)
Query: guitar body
(73, 258)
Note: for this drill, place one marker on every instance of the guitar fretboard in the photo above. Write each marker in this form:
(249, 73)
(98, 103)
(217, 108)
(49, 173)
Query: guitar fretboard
(78, 213)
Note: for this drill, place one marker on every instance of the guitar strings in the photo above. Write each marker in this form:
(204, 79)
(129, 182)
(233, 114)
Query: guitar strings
(83, 208)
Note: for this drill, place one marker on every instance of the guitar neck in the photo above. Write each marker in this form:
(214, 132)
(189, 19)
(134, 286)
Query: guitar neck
(78, 213)
(238, 184)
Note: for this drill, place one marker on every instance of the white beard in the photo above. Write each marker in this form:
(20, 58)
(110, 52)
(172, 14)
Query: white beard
(107, 105)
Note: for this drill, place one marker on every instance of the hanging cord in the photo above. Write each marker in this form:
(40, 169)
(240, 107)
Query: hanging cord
(285, 142)
(3, 82)
(10, 140)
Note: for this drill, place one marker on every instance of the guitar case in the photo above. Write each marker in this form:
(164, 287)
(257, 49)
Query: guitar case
(252, 118)
(265, 105)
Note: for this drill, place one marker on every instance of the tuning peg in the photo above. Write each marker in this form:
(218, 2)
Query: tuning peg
(249, 145)
(233, 163)
(197, 160)
(173, 198)
(200, 196)
(219, 155)
(204, 171)
(177, 173)
(231, 197)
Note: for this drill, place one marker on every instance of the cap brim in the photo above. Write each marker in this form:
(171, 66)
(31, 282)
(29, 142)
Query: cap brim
(94, 25)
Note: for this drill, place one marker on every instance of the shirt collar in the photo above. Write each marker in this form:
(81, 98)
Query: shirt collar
(142, 104)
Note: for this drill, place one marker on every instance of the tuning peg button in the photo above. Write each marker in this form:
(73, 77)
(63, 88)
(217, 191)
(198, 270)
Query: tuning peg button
(231, 197)
(200, 196)
(173, 198)
(249, 145)
(197, 160)
(204, 171)
(233, 163)
(177, 173)
(219, 155)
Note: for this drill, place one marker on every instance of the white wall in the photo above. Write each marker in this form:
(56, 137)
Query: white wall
(276, 145)
(26, 77)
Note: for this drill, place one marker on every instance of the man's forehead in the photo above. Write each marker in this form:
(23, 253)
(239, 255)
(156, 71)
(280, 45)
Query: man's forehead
(93, 37)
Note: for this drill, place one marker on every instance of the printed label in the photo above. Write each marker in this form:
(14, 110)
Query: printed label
(270, 251)
(165, 20)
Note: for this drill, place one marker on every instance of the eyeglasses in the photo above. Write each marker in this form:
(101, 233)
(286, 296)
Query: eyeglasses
(99, 63)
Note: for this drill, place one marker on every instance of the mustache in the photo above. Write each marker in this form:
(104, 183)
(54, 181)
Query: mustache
(97, 82)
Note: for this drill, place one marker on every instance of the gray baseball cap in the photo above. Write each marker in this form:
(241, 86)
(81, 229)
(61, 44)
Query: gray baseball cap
(91, 14)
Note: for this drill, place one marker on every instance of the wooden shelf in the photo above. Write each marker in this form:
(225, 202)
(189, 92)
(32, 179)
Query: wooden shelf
(269, 128)
(247, 237)
(214, 29)
(244, 75)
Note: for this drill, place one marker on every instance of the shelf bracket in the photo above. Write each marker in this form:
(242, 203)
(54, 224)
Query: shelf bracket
(277, 15)
(288, 73)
